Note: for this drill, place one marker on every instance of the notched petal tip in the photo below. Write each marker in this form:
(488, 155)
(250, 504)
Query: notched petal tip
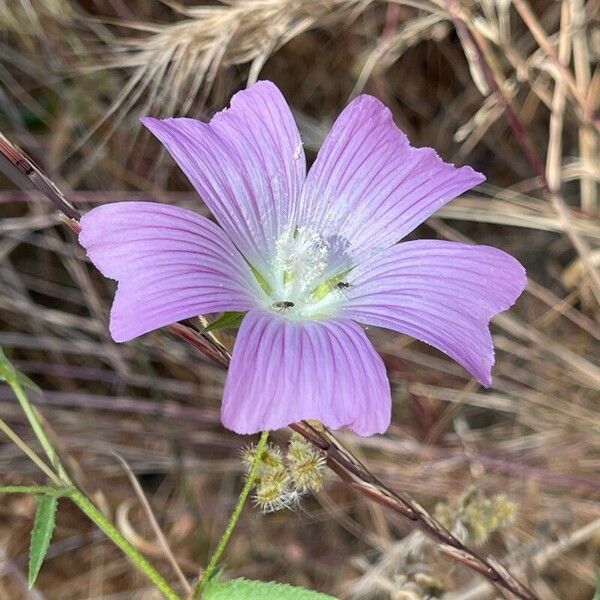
(119, 332)
(442, 293)
(370, 186)
(170, 264)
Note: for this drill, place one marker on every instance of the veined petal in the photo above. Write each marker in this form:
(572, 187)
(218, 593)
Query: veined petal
(442, 293)
(283, 371)
(170, 263)
(369, 188)
(247, 164)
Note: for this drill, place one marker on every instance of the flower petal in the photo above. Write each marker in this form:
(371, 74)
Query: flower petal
(247, 164)
(369, 187)
(283, 371)
(170, 263)
(442, 293)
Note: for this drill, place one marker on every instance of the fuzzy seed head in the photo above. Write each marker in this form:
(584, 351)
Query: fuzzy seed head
(271, 458)
(306, 465)
(477, 516)
(273, 492)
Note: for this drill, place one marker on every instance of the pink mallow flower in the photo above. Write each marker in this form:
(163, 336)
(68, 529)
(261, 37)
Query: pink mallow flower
(309, 258)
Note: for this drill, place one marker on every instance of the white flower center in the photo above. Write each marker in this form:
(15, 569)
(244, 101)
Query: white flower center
(301, 280)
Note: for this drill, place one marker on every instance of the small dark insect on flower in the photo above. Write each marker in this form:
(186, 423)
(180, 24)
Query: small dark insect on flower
(342, 285)
(283, 304)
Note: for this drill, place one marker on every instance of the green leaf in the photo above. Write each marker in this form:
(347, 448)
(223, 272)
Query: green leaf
(43, 528)
(226, 319)
(9, 374)
(597, 594)
(244, 589)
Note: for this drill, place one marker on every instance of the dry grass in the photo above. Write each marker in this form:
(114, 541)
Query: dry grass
(75, 77)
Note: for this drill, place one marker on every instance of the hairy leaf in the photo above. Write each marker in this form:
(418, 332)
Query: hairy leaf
(244, 589)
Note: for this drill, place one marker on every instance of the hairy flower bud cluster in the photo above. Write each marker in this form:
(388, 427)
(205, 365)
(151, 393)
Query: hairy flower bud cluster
(282, 481)
(477, 516)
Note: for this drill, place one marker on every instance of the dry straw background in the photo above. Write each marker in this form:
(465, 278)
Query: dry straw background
(510, 87)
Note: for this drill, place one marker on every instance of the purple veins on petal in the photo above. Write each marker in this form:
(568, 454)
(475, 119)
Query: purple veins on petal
(247, 164)
(442, 293)
(283, 371)
(170, 263)
(369, 186)
(309, 256)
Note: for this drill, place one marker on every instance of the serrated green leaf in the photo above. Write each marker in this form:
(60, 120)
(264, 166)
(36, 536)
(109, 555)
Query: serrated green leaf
(244, 589)
(43, 528)
(226, 319)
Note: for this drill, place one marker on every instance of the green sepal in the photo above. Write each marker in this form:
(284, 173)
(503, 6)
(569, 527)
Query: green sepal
(245, 589)
(229, 320)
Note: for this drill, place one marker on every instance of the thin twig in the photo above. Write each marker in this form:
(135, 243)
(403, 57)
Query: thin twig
(154, 523)
(41, 181)
(15, 439)
(352, 471)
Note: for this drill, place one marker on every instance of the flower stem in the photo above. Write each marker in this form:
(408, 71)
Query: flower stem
(119, 540)
(233, 520)
(38, 429)
(48, 490)
(77, 496)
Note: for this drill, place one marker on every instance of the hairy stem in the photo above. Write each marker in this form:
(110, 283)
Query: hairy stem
(233, 520)
(48, 490)
(63, 480)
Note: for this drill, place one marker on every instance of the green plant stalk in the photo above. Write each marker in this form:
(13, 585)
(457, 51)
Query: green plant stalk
(38, 429)
(140, 561)
(82, 502)
(48, 490)
(233, 520)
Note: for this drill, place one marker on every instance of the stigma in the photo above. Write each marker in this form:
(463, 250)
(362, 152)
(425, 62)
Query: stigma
(300, 282)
